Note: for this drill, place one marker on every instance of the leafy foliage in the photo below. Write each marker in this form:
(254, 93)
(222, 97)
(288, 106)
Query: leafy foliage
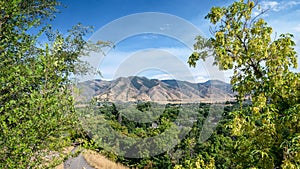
(36, 105)
(242, 42)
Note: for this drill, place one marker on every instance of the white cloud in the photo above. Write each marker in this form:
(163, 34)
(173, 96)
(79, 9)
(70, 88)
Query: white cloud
(270, 4)
(278, 6)
(201, 79)
(162, 77)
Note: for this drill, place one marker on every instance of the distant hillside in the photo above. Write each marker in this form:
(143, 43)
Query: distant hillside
(134, 88)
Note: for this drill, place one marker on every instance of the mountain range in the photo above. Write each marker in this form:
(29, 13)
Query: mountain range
(135, 88)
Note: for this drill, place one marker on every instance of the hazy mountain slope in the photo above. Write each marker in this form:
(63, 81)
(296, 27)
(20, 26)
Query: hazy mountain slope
(131, 89)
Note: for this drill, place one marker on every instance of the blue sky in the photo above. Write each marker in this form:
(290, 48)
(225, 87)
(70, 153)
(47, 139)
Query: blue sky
(159, 48)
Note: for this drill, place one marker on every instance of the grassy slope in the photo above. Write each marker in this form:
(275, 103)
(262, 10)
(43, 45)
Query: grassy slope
(100, 162)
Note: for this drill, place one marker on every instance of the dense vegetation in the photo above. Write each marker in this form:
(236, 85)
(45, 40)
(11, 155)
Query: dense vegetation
(36, 105)
(37, 113)
(189, 153)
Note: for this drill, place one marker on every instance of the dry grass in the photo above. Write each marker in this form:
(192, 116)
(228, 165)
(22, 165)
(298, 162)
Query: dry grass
(60, 166)
(100, 162)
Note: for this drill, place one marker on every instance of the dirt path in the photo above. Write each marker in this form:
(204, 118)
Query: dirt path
(77, 162)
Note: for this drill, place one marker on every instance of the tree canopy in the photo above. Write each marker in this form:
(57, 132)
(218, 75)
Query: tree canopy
(268, 131)
(36, 105)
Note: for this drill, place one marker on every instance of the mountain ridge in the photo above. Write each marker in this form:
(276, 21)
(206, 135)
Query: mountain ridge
(136, 88)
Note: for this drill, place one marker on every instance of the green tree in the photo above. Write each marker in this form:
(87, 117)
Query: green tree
(36, 105)
(269, 130)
